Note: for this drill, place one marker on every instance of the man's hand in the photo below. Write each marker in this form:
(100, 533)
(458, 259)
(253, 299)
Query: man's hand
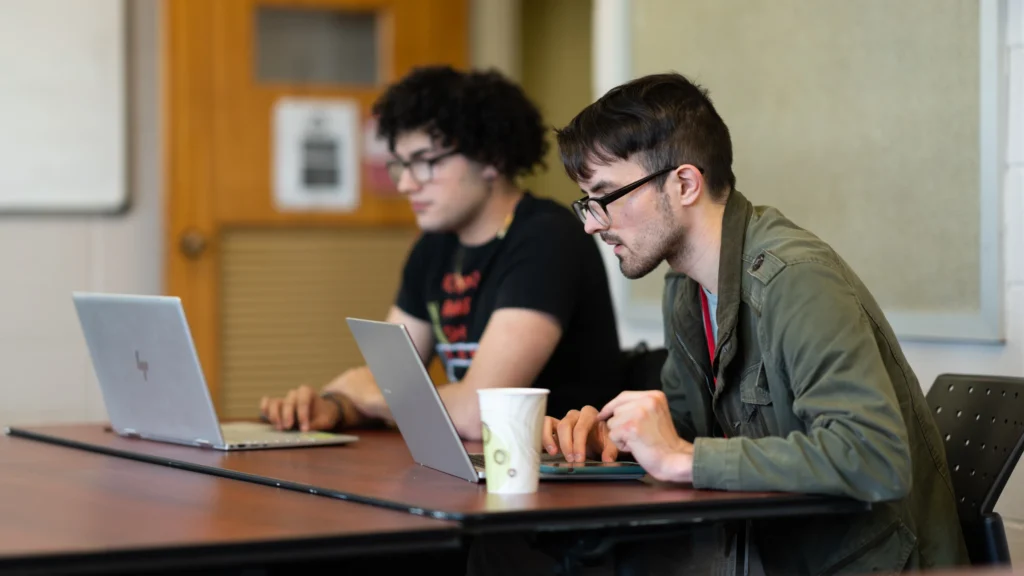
(359, 388)
(358, 394)
(302, 406)
(579, 436)
(640, 423)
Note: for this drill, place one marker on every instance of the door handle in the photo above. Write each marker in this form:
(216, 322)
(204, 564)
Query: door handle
(192, 244)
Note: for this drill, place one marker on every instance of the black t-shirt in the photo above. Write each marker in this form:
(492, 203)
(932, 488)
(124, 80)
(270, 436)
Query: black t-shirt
(544, 262)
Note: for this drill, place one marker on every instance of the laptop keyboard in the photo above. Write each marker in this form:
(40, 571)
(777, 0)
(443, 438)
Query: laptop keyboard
(545, 458)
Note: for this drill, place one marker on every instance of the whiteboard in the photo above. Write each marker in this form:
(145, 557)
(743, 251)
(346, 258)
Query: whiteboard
(893, 161)
(62, 106)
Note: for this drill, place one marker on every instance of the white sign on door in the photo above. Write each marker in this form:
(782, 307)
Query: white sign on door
(315, 159)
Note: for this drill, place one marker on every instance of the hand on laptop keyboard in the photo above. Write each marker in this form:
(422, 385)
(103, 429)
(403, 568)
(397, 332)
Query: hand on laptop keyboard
(478, 459)
(302, 409)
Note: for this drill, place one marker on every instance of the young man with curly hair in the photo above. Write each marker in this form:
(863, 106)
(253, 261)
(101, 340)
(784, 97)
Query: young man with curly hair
(504, 286)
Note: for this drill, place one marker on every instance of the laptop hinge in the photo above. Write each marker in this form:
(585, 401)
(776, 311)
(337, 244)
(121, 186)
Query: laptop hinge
(203, 443)
(131, 432)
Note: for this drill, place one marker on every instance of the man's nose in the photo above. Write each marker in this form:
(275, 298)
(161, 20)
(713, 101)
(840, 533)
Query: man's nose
(591, 225)
(406, 183)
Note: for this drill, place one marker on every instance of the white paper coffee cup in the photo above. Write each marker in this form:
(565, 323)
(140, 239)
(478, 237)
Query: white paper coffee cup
(513, 421)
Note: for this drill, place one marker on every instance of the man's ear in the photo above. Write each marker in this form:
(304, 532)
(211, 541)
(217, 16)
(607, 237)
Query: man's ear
(489, 173)
(689, 184)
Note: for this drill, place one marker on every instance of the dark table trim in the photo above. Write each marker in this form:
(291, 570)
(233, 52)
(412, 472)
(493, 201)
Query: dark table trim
(212, 556)
(542, 520)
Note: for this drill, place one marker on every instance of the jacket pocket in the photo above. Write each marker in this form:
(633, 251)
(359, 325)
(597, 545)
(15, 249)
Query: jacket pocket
(756, 400)
(886, 554)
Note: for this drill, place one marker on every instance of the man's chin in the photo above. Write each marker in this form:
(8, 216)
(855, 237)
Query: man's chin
(633, 272)
(428, 224)
(627, 271)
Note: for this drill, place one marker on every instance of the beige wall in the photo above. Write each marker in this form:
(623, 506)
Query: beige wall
(494, 39)
(47, 376)
(556, 74)
(876, 154)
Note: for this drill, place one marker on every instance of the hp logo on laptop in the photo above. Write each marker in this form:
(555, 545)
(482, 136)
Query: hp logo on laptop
(143, 366)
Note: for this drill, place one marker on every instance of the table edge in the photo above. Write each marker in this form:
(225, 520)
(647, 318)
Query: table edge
(645, 514)
(267, 549)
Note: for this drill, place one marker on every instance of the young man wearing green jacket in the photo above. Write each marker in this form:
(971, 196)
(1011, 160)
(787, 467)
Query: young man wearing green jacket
(783, 374)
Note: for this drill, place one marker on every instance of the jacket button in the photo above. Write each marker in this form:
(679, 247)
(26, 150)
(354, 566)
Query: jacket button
(757, 263)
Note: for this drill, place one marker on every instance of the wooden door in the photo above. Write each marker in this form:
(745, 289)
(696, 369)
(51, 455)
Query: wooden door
(266, 288)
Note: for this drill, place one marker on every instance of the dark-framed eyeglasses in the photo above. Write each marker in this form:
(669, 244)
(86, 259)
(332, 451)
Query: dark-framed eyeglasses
(598, 207)
(421, 169)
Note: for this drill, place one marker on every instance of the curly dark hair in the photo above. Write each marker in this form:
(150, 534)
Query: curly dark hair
(483, 115)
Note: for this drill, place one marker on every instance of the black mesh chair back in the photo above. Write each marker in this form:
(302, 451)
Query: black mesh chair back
(981, 419)
(642, 367)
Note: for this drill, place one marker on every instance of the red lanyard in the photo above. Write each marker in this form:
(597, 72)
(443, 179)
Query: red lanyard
(709, 334)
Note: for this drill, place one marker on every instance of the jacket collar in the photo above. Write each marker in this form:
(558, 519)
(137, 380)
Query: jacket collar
(690, 321)
(730, 273)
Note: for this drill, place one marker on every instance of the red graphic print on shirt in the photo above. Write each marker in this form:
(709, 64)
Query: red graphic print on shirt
(455, 351)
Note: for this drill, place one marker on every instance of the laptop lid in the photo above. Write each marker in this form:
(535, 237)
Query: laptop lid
(412, 398)
(147, 367)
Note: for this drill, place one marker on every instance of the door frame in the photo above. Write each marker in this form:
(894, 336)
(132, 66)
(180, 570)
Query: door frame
(188, 115)
(190, 92)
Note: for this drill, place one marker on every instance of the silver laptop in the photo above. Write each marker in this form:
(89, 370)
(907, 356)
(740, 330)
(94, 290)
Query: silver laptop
(152, 383)
(424, 422)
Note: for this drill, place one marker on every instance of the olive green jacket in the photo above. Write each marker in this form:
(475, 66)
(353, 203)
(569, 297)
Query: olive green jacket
(813, 395)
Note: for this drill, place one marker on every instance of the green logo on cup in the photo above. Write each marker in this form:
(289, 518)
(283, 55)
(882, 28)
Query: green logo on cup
(496, 458)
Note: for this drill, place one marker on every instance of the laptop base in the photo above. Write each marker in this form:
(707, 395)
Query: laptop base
(254, 436)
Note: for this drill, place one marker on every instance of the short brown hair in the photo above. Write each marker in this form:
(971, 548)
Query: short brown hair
(665, 119)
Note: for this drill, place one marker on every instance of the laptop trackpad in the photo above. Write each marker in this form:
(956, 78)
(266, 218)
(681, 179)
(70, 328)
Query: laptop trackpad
(254, 432)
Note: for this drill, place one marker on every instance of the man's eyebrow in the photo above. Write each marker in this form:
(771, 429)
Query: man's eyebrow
(600, 186)
(416, 153)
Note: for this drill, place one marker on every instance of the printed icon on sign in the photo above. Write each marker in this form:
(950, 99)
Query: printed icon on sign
(320, 166)
(316, 148)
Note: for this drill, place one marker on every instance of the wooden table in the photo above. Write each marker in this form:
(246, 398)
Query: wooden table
(76, 511)
(581, 518)
(379, 470)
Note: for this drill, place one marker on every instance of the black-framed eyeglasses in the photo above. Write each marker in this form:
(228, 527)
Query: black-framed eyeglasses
(421, 169)
(598, 207)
